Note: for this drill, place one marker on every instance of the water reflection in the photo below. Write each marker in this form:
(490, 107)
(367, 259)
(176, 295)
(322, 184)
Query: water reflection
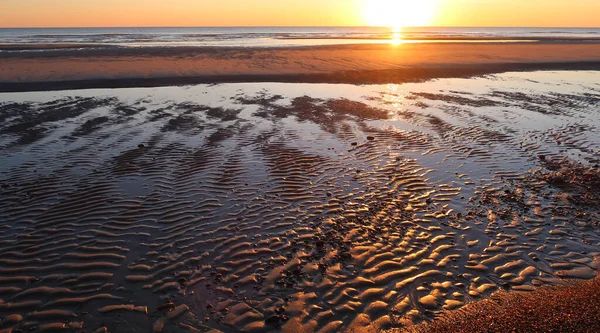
(397, 37)
(394, 96)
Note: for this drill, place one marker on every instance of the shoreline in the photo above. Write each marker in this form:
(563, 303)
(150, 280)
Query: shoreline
(353, 64)
(397, 76)
(359, 41)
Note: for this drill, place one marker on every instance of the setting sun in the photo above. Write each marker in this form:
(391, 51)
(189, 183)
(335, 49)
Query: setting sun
(398, 13)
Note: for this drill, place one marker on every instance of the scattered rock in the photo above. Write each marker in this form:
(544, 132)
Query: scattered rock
(276, 320)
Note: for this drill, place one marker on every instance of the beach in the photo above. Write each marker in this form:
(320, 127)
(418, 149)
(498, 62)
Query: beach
(296, 207)
(568, 308)
(71, 66)
(299, 179)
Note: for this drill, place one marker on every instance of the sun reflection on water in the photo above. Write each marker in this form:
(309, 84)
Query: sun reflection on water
(397, 38)
(394, 96)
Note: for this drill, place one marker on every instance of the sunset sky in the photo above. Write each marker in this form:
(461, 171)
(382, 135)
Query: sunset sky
(86, 13)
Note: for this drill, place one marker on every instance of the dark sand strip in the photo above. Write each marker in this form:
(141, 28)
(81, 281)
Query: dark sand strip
(568, 308)
(355, 64)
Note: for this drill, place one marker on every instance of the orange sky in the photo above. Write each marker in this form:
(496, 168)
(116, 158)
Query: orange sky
(84, 13)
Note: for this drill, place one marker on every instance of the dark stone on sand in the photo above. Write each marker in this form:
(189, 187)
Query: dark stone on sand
(141, 145)
(273, 320)
(354, 143)
(370, 138)
(542, 157)
(329, 194)
(276, 319)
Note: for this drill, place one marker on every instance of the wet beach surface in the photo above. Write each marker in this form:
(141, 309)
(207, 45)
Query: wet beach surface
(285, 207)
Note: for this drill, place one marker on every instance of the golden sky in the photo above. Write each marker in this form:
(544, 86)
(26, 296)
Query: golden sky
(86, 13)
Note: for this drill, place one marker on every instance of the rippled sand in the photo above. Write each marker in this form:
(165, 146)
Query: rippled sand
(261, 207)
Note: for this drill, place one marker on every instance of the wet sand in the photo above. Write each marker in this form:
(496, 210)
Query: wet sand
(357, 64)
(293, 207)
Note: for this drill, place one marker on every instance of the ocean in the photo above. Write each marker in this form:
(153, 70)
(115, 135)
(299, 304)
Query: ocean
(278, 36)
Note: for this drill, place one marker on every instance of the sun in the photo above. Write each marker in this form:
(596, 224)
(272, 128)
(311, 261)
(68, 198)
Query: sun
(398, 13)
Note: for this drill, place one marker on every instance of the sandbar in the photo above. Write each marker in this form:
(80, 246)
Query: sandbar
(114, 67)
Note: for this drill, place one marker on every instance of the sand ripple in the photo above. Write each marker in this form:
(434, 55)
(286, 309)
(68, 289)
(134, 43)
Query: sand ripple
(260, 207)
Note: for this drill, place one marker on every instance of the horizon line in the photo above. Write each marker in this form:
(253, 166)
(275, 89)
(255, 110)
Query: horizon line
(293, 26)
